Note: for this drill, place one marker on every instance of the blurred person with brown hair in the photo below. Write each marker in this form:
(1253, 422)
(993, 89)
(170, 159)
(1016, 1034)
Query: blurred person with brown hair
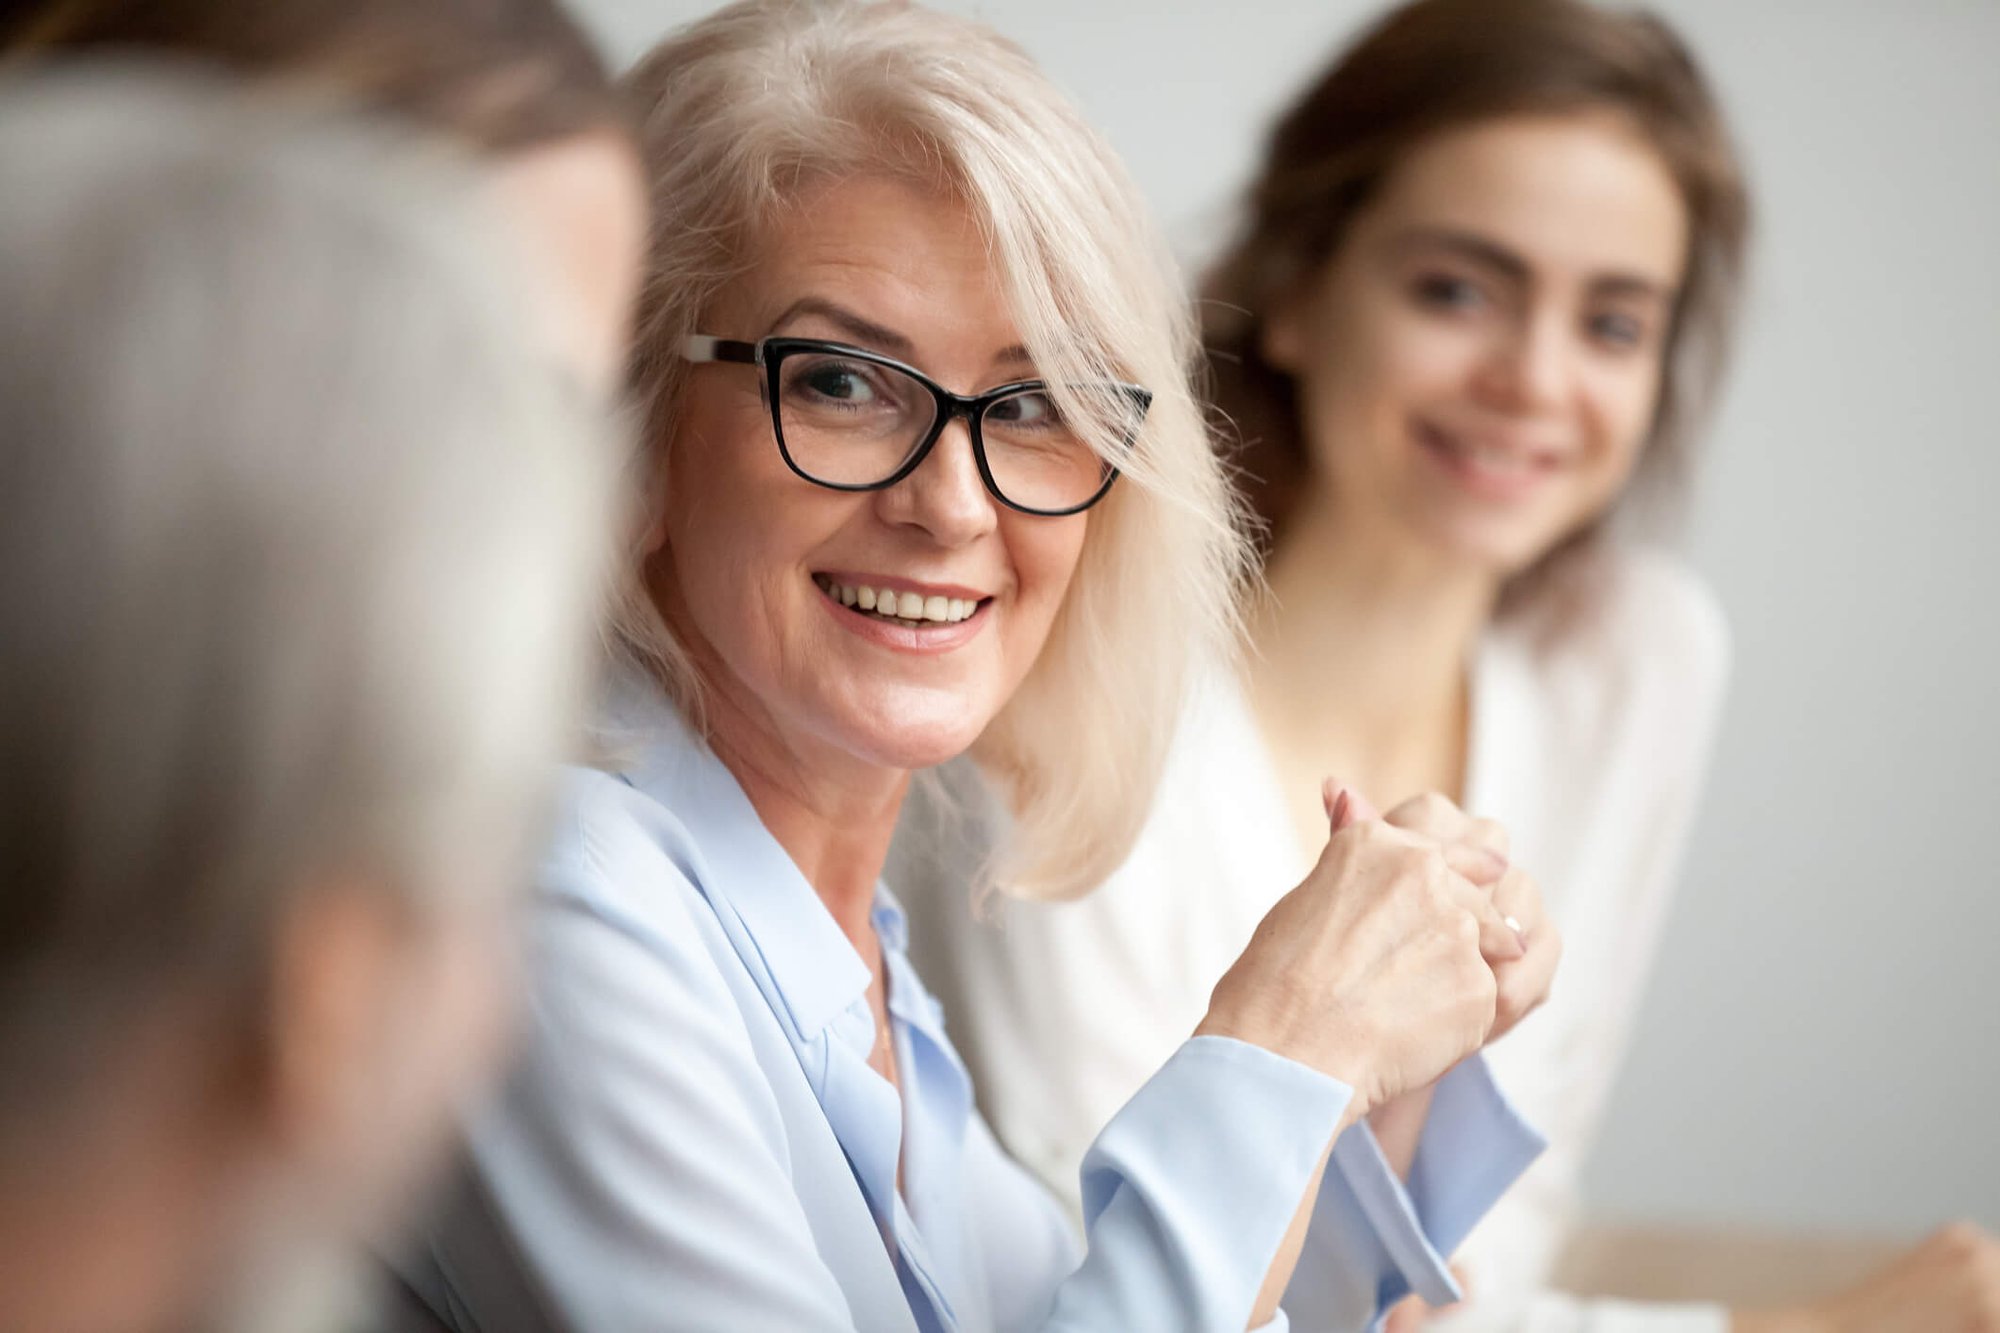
(1467, 334)
(515, 81)
(303, 537)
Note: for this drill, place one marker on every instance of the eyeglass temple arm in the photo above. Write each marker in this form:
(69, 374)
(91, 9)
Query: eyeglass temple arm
(701, 347)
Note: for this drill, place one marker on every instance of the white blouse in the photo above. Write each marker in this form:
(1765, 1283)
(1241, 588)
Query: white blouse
(1588, 743)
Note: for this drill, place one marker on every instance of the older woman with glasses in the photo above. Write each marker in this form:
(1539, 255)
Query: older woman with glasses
(928, 480)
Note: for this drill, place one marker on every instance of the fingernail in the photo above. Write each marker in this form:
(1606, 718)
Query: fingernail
(1338, 815)
(1514, 924)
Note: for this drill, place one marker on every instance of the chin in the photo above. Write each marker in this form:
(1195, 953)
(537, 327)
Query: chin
(913, 733)
(1498, 548)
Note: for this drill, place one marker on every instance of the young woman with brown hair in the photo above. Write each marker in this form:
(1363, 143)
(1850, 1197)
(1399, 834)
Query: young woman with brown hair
(1466, 336)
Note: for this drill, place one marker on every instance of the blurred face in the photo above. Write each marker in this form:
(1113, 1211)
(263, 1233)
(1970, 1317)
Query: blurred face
(757, 568)
(578, 208)
(1479, 363)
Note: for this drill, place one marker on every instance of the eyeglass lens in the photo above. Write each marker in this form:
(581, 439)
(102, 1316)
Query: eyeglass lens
(847, 421)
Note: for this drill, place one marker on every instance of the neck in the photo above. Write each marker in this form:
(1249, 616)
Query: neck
(1363, 648)
(833, 814)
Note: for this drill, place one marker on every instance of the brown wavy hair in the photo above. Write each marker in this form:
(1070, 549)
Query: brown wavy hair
(1437, 65)
(500, 75)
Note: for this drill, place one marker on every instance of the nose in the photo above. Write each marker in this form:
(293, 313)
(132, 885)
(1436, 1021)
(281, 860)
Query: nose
(1529, 366)
(945, 496)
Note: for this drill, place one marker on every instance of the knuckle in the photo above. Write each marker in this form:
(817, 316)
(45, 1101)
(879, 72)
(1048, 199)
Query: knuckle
(1483, 988)
(1433, 806)
(1371, 833)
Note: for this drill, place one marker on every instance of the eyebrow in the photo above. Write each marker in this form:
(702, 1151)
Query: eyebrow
(876, 337)
(1492, 255)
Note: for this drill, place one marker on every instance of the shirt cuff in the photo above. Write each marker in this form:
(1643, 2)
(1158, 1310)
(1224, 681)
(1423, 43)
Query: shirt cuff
(1474, 1145)
(1212, 1157)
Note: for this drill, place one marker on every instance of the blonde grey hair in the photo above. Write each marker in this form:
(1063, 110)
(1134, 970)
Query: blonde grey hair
(300, 542)
(743, 112)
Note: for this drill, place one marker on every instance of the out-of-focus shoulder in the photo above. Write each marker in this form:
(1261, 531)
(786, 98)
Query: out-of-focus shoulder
(1639, 633)
(1656, 609)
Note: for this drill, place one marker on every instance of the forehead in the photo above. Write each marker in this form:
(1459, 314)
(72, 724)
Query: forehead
(909, 256)
(1575, 194)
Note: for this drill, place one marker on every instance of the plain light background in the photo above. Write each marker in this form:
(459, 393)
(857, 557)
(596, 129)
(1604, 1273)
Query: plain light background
(1819, 1048)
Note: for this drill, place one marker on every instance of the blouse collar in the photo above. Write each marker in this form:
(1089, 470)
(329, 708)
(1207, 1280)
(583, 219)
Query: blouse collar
(811, 964)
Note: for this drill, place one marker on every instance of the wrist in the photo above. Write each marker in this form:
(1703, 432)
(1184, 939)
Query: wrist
(1342, 1060)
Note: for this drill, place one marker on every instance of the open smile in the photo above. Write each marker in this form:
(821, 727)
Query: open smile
(1495, 469)
(904, 615)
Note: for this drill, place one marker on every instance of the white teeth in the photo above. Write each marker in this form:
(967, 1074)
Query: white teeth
(889, 603)
(1490, 457)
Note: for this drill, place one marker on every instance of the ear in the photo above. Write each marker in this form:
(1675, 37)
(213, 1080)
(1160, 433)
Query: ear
(333, 984)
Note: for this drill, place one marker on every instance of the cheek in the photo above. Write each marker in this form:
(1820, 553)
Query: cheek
(1375, 366)
(1622, 405)
(472, 985)
(727, 512)
(1049, 551)
(457, 988)
(1045, 554)
(710, 462)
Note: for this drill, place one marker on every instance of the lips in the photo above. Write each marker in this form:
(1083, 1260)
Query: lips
(1488, 464)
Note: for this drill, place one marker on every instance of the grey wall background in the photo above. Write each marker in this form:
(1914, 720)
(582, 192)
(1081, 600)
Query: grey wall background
(1821, 1044)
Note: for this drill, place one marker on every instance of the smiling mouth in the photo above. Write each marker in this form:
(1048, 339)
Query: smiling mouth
(1499, 462)
(909, 609)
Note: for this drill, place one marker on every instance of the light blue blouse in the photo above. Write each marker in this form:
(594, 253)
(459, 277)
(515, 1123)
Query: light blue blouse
(693, 1138)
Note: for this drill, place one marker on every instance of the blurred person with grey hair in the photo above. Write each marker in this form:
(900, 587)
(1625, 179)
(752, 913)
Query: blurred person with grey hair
(301, 539)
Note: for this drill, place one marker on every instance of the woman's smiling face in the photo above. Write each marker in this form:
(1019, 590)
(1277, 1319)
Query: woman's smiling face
(1479, 363)
(753, 559)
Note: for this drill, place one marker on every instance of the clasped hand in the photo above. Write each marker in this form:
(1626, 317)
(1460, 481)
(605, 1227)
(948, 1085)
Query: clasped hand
(1412, 943)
